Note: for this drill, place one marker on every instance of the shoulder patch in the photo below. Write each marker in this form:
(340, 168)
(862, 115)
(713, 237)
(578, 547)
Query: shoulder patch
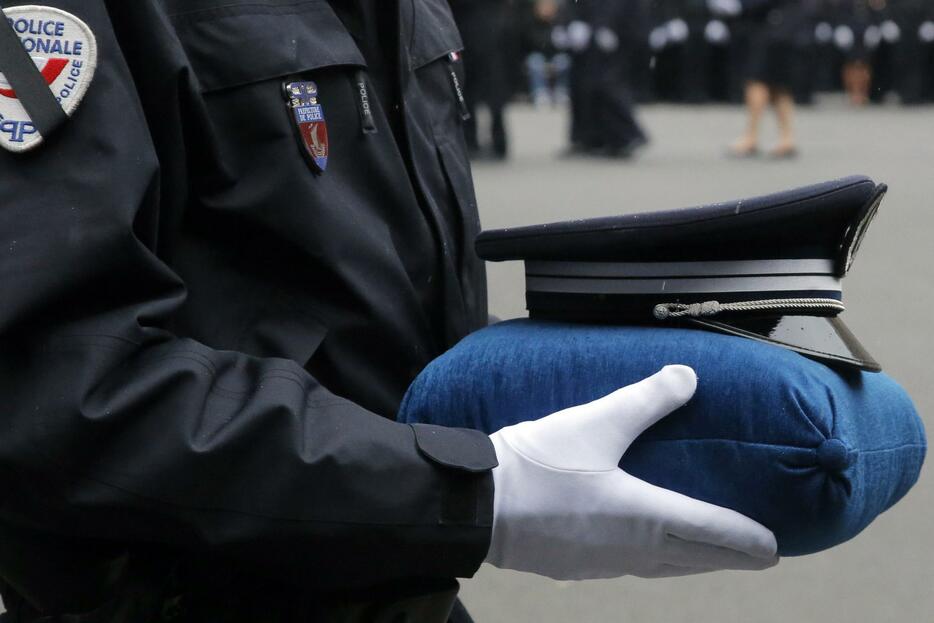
(64, 51)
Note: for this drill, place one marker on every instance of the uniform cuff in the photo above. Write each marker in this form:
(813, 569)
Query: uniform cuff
(467, 458)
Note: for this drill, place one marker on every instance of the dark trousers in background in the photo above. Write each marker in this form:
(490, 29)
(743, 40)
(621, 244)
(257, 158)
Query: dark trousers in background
(485, 26)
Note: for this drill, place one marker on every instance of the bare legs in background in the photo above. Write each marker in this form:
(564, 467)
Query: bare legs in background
(758, 96)
(785, 112)
(856, 80)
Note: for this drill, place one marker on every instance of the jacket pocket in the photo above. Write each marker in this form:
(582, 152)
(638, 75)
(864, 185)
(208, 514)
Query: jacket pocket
(230, 44)
(255, 200)
(435, 32)
(436, 57)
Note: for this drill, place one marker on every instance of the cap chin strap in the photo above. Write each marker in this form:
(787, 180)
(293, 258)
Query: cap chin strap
(663, 311)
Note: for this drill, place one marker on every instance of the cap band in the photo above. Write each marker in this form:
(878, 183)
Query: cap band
(672, 278)
(750, 268)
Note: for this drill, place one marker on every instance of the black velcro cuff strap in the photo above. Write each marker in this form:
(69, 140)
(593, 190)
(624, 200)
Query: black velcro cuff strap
(457, 448)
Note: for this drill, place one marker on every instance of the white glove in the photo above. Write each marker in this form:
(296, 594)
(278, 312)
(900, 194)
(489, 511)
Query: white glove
(564, 509)
(926, 32)
(823, 33)
(678, 30)
(843, 37)
(872, 36)
(890, 31)
(579, 34)
(716, 32)
(559, 37)
(606, 40)
(658, 38)
(725, 8)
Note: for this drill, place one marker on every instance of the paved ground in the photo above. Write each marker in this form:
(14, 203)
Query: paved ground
(885, 574)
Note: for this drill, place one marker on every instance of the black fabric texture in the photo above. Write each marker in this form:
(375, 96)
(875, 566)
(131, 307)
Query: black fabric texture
(204, 342)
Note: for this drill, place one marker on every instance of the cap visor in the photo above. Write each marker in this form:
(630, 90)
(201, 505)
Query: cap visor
(827, 340)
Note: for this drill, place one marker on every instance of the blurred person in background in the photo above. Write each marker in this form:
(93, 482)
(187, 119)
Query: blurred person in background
(826, 60)
(572, 36)
(485, 29)
(772, 26)
(546, 65)
(886, 33)
(805, 53)
(719, 39)
(605, 39)
(668, 38)
(857, 36)
(910, 63)
(925, 34)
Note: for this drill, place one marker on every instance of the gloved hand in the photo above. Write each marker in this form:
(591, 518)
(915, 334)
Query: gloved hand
(725, 8)
(564, 509)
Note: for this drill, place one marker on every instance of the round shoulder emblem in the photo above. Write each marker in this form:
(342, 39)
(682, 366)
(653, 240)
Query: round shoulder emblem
(64, 51)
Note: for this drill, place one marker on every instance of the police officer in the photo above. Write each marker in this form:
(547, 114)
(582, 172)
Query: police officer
(605, 39)
(232, 234)
(909, 33)
(925, 37)
(768, 30)
(486, 27)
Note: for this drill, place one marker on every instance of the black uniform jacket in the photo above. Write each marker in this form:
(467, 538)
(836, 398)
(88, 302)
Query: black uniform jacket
(203, 341)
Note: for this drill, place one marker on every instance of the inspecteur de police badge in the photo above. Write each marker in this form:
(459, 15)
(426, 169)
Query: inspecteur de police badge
(64, 51)
(308, 118)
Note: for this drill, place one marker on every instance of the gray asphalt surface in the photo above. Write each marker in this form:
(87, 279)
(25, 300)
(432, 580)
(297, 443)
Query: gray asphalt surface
(887, 572)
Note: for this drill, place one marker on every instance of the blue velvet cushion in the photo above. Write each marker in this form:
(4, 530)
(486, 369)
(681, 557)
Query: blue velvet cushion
(813, 453)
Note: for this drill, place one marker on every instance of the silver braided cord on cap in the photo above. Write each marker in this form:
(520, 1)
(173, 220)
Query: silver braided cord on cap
(663, 311)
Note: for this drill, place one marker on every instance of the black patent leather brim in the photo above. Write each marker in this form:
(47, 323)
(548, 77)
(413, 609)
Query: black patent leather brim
(827, 340)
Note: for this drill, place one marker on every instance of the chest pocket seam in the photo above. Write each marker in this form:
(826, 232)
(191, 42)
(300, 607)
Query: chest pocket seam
(241, 45)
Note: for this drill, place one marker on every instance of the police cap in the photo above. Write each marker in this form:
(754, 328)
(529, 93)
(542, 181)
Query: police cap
(768, 268)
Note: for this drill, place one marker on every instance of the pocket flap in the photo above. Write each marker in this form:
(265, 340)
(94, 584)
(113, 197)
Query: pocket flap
(436, 34)
(230, 45)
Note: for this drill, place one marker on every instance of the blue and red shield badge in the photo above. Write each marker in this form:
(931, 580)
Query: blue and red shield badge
(308, 116)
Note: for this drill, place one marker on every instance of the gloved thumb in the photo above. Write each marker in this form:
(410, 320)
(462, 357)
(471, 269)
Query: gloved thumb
(594, 436)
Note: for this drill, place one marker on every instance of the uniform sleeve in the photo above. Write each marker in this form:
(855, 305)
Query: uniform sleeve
(116, 429)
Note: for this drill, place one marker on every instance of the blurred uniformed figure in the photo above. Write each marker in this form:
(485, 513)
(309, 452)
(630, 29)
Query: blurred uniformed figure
(883, 45)
(913, 34)
(605, 39)
(719, 39)
(668, 39)
(826, 60)
(857, 36)
(572, 35)
(701, 50)
(485, 28)
(770, 27)
(925, 35)
(804, 52)
(886, 32)
(547, 63)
